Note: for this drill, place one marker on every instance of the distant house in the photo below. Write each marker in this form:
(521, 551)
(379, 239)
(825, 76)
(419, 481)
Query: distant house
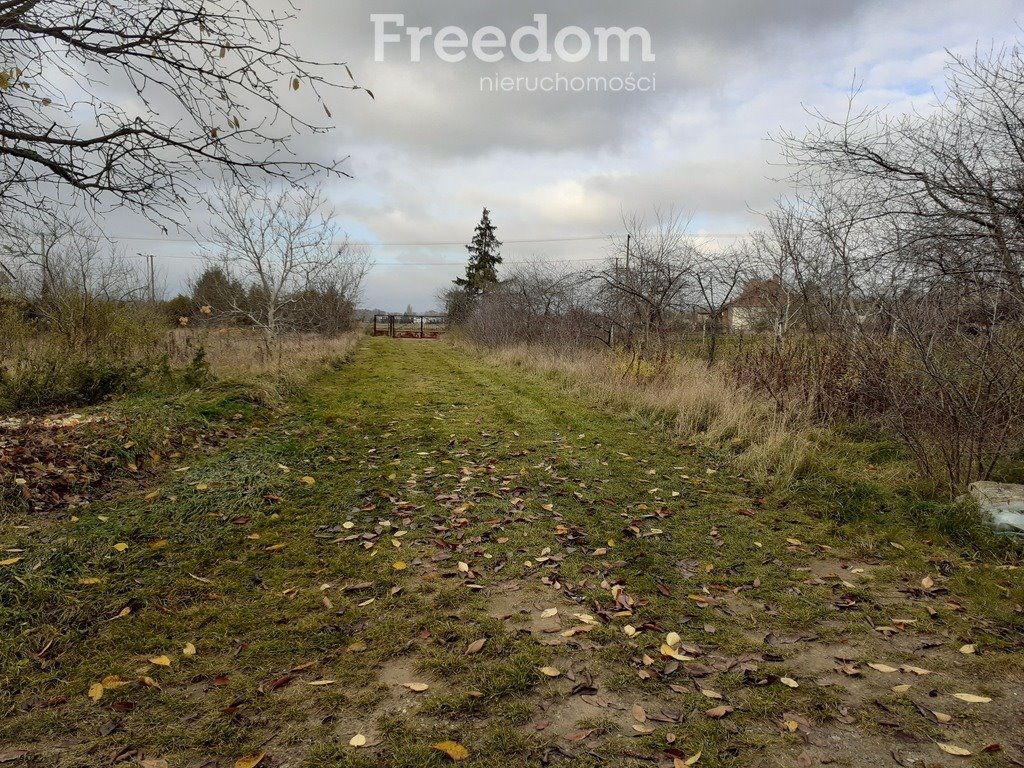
(759, 306)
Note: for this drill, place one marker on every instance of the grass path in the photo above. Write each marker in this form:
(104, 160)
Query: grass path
(428, 548)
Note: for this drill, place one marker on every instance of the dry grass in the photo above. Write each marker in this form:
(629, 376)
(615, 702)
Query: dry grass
(705, 406)
(232, 351)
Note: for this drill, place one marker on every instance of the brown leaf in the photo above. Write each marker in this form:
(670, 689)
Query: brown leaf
(475, 647)
(720, 711)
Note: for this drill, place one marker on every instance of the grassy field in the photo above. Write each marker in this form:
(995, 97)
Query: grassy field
(432, 556)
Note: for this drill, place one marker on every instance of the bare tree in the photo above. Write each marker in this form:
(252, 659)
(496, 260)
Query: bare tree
(134, 103)
(76, 284)
(281, 247)
(645, 280)
(718, 279)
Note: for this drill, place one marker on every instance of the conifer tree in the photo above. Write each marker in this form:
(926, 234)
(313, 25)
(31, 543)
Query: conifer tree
(484, 258)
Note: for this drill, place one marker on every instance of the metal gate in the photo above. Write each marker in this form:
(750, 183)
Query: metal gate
(410, 326)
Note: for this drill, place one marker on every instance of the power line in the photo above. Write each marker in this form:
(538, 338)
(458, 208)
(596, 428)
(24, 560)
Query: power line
(437, 244)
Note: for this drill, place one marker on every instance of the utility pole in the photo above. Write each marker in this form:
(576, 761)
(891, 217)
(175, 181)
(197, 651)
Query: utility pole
(629, 238)
(152, 276)
(44, 256)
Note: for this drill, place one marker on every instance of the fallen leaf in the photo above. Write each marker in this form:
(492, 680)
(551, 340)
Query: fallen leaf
(883, 668)
(89, 580)
(320, 682)
(901, 688)
(154, 762)
(475, 647)
(160, 661)
(968, 649)
(416, 687)
(250, 762)
(547, 613)
(453, 749)
(971, 698)
(96, 691)
(719, 711)
(639, 714)
(953, 749)
(357, 741)
(10, 561)
(711, 694)
(550, 671)
(672, 639)
(942, 717)
(308, 480)
(789, 681)
(120, 546)
(188, 650)
(399, 565)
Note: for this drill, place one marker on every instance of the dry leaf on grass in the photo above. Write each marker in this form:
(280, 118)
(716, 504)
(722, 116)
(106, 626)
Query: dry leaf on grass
(250, 762)
(719, 712)
(789, 681)
(550, 671)
(970, 698)
(953, 749)
(416, 687)
(160, 661)
(475, 647)
(453, 749)
(357, 741)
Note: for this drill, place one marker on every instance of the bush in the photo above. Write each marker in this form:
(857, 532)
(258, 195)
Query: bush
(57, 378)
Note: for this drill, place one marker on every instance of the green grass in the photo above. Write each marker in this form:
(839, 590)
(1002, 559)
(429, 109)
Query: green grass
(501, 470)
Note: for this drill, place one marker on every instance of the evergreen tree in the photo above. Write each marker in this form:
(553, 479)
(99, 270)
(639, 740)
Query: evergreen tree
(484, 258)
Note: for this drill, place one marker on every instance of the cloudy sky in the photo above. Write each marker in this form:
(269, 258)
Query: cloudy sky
(558, 170)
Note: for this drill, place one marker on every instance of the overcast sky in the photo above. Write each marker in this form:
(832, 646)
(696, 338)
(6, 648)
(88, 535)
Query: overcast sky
(433, 148)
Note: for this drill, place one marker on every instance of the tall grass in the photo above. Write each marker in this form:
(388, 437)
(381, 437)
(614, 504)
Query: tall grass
(703, 405)
(237, 351)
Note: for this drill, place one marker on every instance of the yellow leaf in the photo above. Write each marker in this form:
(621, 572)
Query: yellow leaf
(550, 671)
(399, 565)
(953, 749)
(971, 698)
(89, 580)
(672, 639)
(120, 546)
(308, 480)
(250, 762)
(789, 681)
(320, 682)
(692, 760)
(901, 688)
(968, 649)
(417, 687)
(10, 561)
(711, 694)
(942, 717)
(357, 741)
(203, 487)
(188, 650)
(547, 613)
(160, 661)
(453, 749)
(152, 495)
(927, 582)
(883, 668)
(96, 691)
